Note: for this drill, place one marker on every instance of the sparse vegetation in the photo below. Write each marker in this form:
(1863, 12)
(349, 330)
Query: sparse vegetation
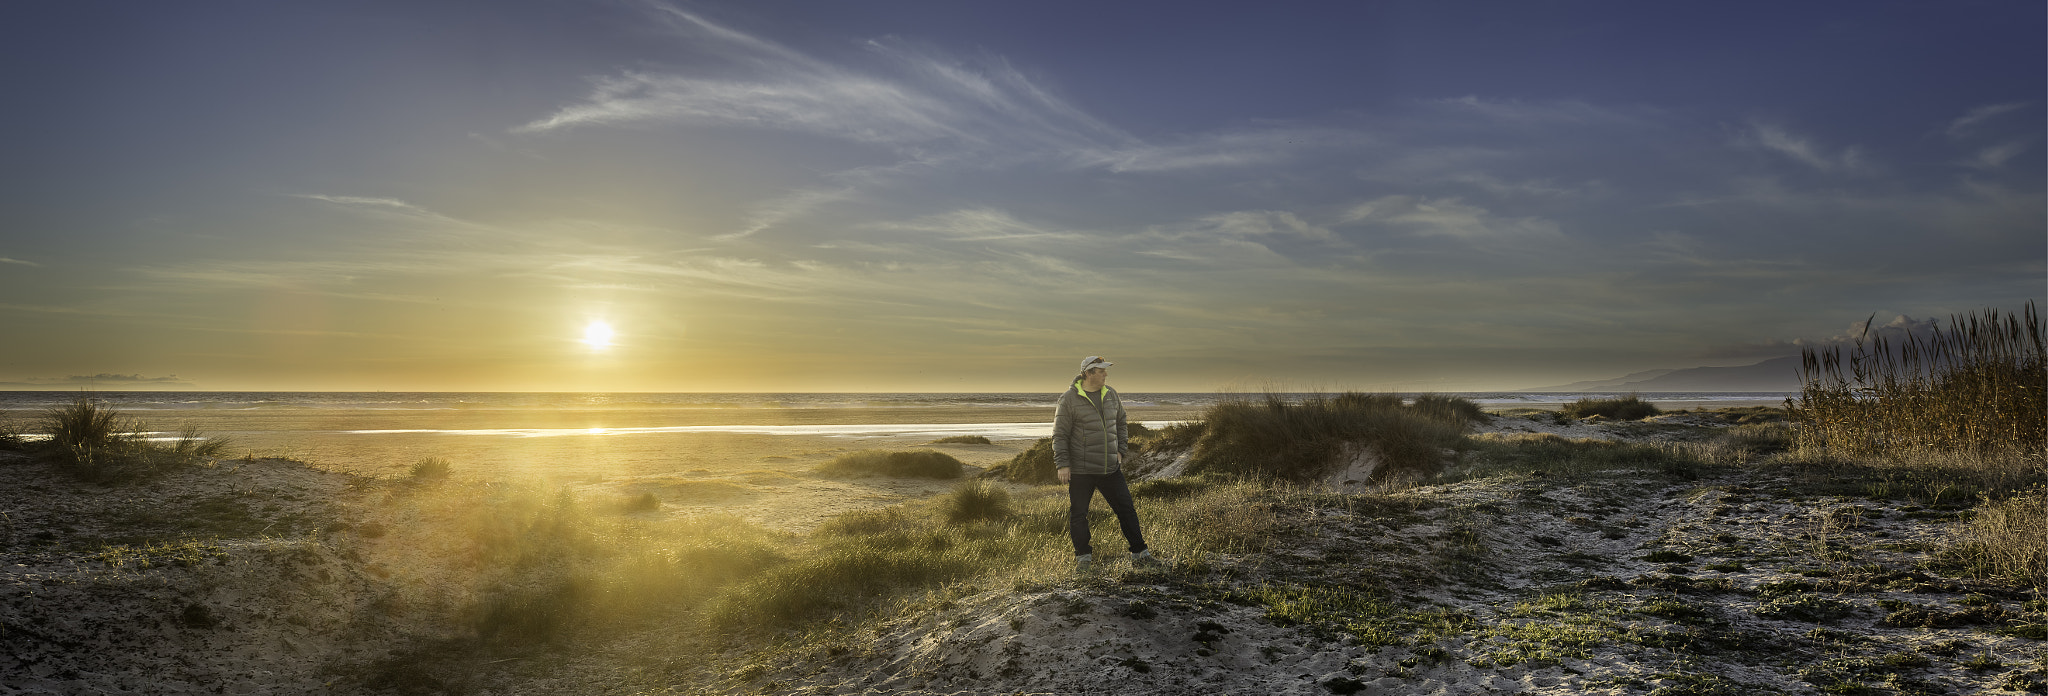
(962, 440)
(1631, 407)
(913, 463)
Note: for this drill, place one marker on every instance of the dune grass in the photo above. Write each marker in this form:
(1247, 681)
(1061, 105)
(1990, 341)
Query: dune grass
(1032, 466)
(1631, 407)
(1270, 437)
(96, 443)
(961, 440)
(430, 469)
(905, 464)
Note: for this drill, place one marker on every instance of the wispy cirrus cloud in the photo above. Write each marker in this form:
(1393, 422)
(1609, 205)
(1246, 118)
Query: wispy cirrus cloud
(1804, 150)
(18, 262)
(1963, 125)
(931, 98)
(1996, 156)
(1448, 217)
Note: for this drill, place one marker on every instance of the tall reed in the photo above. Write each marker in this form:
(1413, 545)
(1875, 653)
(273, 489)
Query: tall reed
(1978, 386)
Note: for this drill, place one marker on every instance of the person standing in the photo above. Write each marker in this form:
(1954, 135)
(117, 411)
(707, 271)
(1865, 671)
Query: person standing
(1090, 439)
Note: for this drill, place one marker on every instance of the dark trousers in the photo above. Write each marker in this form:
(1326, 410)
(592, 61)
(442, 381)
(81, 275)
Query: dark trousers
(1081, 490)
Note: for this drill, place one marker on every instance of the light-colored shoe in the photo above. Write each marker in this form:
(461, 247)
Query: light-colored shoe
(1145, 559)
(1083, 564)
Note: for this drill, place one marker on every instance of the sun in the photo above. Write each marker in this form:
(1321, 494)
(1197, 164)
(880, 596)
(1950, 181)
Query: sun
(598, 335)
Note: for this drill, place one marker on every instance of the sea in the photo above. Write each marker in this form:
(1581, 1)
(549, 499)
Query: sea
(543, 431)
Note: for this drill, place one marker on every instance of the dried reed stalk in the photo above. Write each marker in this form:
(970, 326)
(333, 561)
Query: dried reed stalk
(1979, 386)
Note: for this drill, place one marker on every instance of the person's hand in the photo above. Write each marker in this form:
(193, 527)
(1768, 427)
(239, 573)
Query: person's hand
(1066, 475)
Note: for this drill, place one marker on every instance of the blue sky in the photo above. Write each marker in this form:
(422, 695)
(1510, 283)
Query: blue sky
(812, 196)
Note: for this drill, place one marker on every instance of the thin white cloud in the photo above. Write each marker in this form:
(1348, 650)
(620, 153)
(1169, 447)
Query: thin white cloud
(18, 262)
(1448, 217)
(1804, 150)
(361, 201)
(776, 211)
(1962, 125)
(1548, 113)
(1264, 223)
(975, 225)
(1234, 149)
(391, 208)
(935, 99)
(1996, 156)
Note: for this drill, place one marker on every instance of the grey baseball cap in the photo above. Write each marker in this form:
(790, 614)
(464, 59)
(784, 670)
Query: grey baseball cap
(1094, 361)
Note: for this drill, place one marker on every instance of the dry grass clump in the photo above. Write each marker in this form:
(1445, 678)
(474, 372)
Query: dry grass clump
(2004, 540)
(1450, 408)
(913, 463)
(1980, 385)
(1272, 438)
(961, 440)
(1631, 407)
(96, 443)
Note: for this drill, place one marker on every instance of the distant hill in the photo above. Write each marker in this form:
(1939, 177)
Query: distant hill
(1773, 375)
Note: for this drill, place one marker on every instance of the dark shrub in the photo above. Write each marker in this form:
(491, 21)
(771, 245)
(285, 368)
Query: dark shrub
(914, 463)
(431, 469)
(1629, 407)
(1270, 437)
(961, 440)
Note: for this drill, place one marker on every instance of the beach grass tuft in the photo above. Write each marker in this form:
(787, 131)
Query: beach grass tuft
(901, 464)
(430, 469)
(961, 440)
(1032, 466)
(96, 443)
(1631, 407)
(1301, 441)
(977, 501)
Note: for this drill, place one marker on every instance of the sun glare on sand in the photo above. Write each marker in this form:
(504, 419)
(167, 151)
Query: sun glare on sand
(598, 335)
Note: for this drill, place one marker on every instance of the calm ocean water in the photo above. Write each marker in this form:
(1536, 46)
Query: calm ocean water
(456, 401)
(611, 434)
